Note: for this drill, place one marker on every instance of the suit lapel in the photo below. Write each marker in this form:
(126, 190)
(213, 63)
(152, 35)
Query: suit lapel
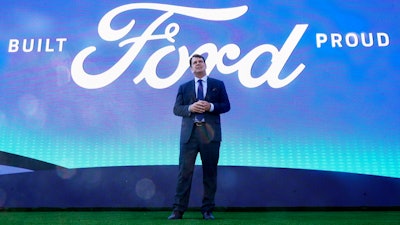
(210, 86)
(192, 90)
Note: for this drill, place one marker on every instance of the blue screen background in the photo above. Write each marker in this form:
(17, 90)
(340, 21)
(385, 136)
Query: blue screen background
(342, 113)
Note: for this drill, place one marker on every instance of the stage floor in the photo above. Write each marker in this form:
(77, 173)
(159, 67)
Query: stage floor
(194, 217)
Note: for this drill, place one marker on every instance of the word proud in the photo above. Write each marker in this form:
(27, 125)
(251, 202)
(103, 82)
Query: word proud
(352, 40)
(243, 66)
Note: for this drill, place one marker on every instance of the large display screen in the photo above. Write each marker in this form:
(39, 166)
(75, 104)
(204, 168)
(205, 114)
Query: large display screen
(312, 84)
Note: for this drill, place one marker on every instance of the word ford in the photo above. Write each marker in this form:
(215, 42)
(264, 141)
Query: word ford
(215, 57)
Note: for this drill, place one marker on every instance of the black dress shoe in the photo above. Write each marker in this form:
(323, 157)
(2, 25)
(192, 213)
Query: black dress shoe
(175, 215)
(208, 216)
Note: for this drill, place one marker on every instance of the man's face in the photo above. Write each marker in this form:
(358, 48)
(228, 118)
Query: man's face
(198, 66)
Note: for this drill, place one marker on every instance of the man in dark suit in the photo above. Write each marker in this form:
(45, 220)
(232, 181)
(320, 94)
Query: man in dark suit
(199, 102)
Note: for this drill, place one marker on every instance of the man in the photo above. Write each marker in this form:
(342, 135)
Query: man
(199, 102)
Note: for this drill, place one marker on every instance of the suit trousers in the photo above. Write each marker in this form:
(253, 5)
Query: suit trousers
(199, 142)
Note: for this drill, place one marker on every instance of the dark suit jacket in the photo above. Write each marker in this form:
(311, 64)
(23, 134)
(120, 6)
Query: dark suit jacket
(216, 94)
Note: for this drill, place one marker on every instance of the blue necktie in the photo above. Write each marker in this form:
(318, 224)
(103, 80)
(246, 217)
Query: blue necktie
(200, 96)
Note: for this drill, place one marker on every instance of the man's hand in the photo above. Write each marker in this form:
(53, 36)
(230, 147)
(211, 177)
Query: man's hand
(200, 107)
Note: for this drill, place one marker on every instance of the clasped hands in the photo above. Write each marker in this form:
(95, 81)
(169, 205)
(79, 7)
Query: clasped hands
(200, 106)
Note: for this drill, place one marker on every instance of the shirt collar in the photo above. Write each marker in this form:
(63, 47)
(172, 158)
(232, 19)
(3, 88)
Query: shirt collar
(203, 79)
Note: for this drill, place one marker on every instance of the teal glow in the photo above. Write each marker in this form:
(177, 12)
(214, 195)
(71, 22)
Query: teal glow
(362, 155)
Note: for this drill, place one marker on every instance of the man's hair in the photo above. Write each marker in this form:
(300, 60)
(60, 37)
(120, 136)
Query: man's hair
(196, 56)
